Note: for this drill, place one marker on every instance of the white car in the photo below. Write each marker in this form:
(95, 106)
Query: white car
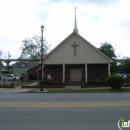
(17, 77)
(8, 77)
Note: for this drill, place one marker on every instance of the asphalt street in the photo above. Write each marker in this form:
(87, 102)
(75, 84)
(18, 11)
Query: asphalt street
(63, 111)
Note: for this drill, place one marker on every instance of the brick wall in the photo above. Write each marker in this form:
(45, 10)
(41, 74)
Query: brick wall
(33, 73)
(128, 81)
(97, 71)
(56, 72)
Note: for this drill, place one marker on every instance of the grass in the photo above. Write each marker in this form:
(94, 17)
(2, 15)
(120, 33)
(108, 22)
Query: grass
(86, 90)
(18, 83)
(63, 90)
(6, 84)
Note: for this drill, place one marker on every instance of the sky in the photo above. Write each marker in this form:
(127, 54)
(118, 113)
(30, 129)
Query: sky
(98, 21)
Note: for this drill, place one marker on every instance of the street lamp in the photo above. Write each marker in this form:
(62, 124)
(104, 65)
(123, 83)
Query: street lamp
(42, 28)
(8, 61)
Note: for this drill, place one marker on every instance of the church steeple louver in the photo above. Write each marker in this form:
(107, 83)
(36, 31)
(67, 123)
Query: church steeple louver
(75, 23)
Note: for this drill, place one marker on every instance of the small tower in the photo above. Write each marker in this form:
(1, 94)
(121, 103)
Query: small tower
(75, 23)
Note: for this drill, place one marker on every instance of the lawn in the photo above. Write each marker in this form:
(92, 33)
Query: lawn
(18, 83)
(86, 90)
(82, 90)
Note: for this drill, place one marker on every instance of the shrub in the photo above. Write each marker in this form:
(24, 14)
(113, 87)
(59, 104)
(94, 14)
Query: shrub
(51, 83)
(97, 82)
(115, 81)
(113, 73)
(56, 83)
(101, 82)
(91, 82)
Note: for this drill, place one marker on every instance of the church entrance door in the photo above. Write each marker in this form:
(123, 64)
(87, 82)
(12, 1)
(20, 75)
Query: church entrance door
(75, 75)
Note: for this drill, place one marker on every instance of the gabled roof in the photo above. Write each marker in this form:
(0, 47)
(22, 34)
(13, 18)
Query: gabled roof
(85, 41)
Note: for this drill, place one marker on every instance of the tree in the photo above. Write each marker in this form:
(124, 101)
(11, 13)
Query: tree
(126, 64)
(31, 48)
(108, 50)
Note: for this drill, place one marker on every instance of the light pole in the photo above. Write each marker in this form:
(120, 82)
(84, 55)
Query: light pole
(42, 28)
(8, 61)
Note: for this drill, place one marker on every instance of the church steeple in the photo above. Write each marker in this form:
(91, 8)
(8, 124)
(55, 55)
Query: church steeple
(75, 23)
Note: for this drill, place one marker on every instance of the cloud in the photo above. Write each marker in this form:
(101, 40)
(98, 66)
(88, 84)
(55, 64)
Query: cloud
(100, 3)
(98, 21)
(18, 20)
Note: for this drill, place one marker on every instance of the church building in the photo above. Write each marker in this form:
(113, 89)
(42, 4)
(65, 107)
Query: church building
(76, 60)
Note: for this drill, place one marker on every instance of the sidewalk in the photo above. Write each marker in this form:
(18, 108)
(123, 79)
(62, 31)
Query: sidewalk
(13, 90)
(18, 89)
(24, 90)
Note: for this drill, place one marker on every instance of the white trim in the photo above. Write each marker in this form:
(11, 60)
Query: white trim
(86, 73)
(38, 69)
(108, 69)
(63, 73)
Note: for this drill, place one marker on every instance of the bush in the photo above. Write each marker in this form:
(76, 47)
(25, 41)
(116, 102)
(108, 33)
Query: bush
(97, 82)
(51, 83)
(113, 73)
(115, 81)
(91, 82)
(56, 83)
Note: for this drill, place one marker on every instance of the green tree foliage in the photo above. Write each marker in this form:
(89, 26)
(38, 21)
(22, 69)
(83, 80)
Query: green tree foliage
(108, 50)
(31, 48)
(126, 64)
(113, 66)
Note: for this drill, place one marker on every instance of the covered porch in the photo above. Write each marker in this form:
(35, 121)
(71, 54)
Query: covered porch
(76, 73)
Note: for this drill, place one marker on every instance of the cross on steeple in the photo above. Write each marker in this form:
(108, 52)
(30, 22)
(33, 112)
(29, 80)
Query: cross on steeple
(74, 45)
(75, 23)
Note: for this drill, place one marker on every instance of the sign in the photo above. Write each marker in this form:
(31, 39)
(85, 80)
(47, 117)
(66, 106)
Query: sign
(123, 124)
(49, 76)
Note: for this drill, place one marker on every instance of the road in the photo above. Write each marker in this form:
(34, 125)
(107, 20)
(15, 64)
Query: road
(63, 111)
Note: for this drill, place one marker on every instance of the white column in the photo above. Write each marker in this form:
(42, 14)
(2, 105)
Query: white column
(63, 73)
(86, 74)
(108, 69)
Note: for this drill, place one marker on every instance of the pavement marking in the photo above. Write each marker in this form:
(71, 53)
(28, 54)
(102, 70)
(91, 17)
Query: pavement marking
(99, 104)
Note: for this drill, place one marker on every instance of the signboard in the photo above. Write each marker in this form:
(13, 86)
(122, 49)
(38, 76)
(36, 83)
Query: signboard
(49, 76)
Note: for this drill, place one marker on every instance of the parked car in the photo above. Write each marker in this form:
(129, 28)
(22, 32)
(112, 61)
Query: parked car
(125, 75)
(8, 77)
(119, 74)
(17, 77)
